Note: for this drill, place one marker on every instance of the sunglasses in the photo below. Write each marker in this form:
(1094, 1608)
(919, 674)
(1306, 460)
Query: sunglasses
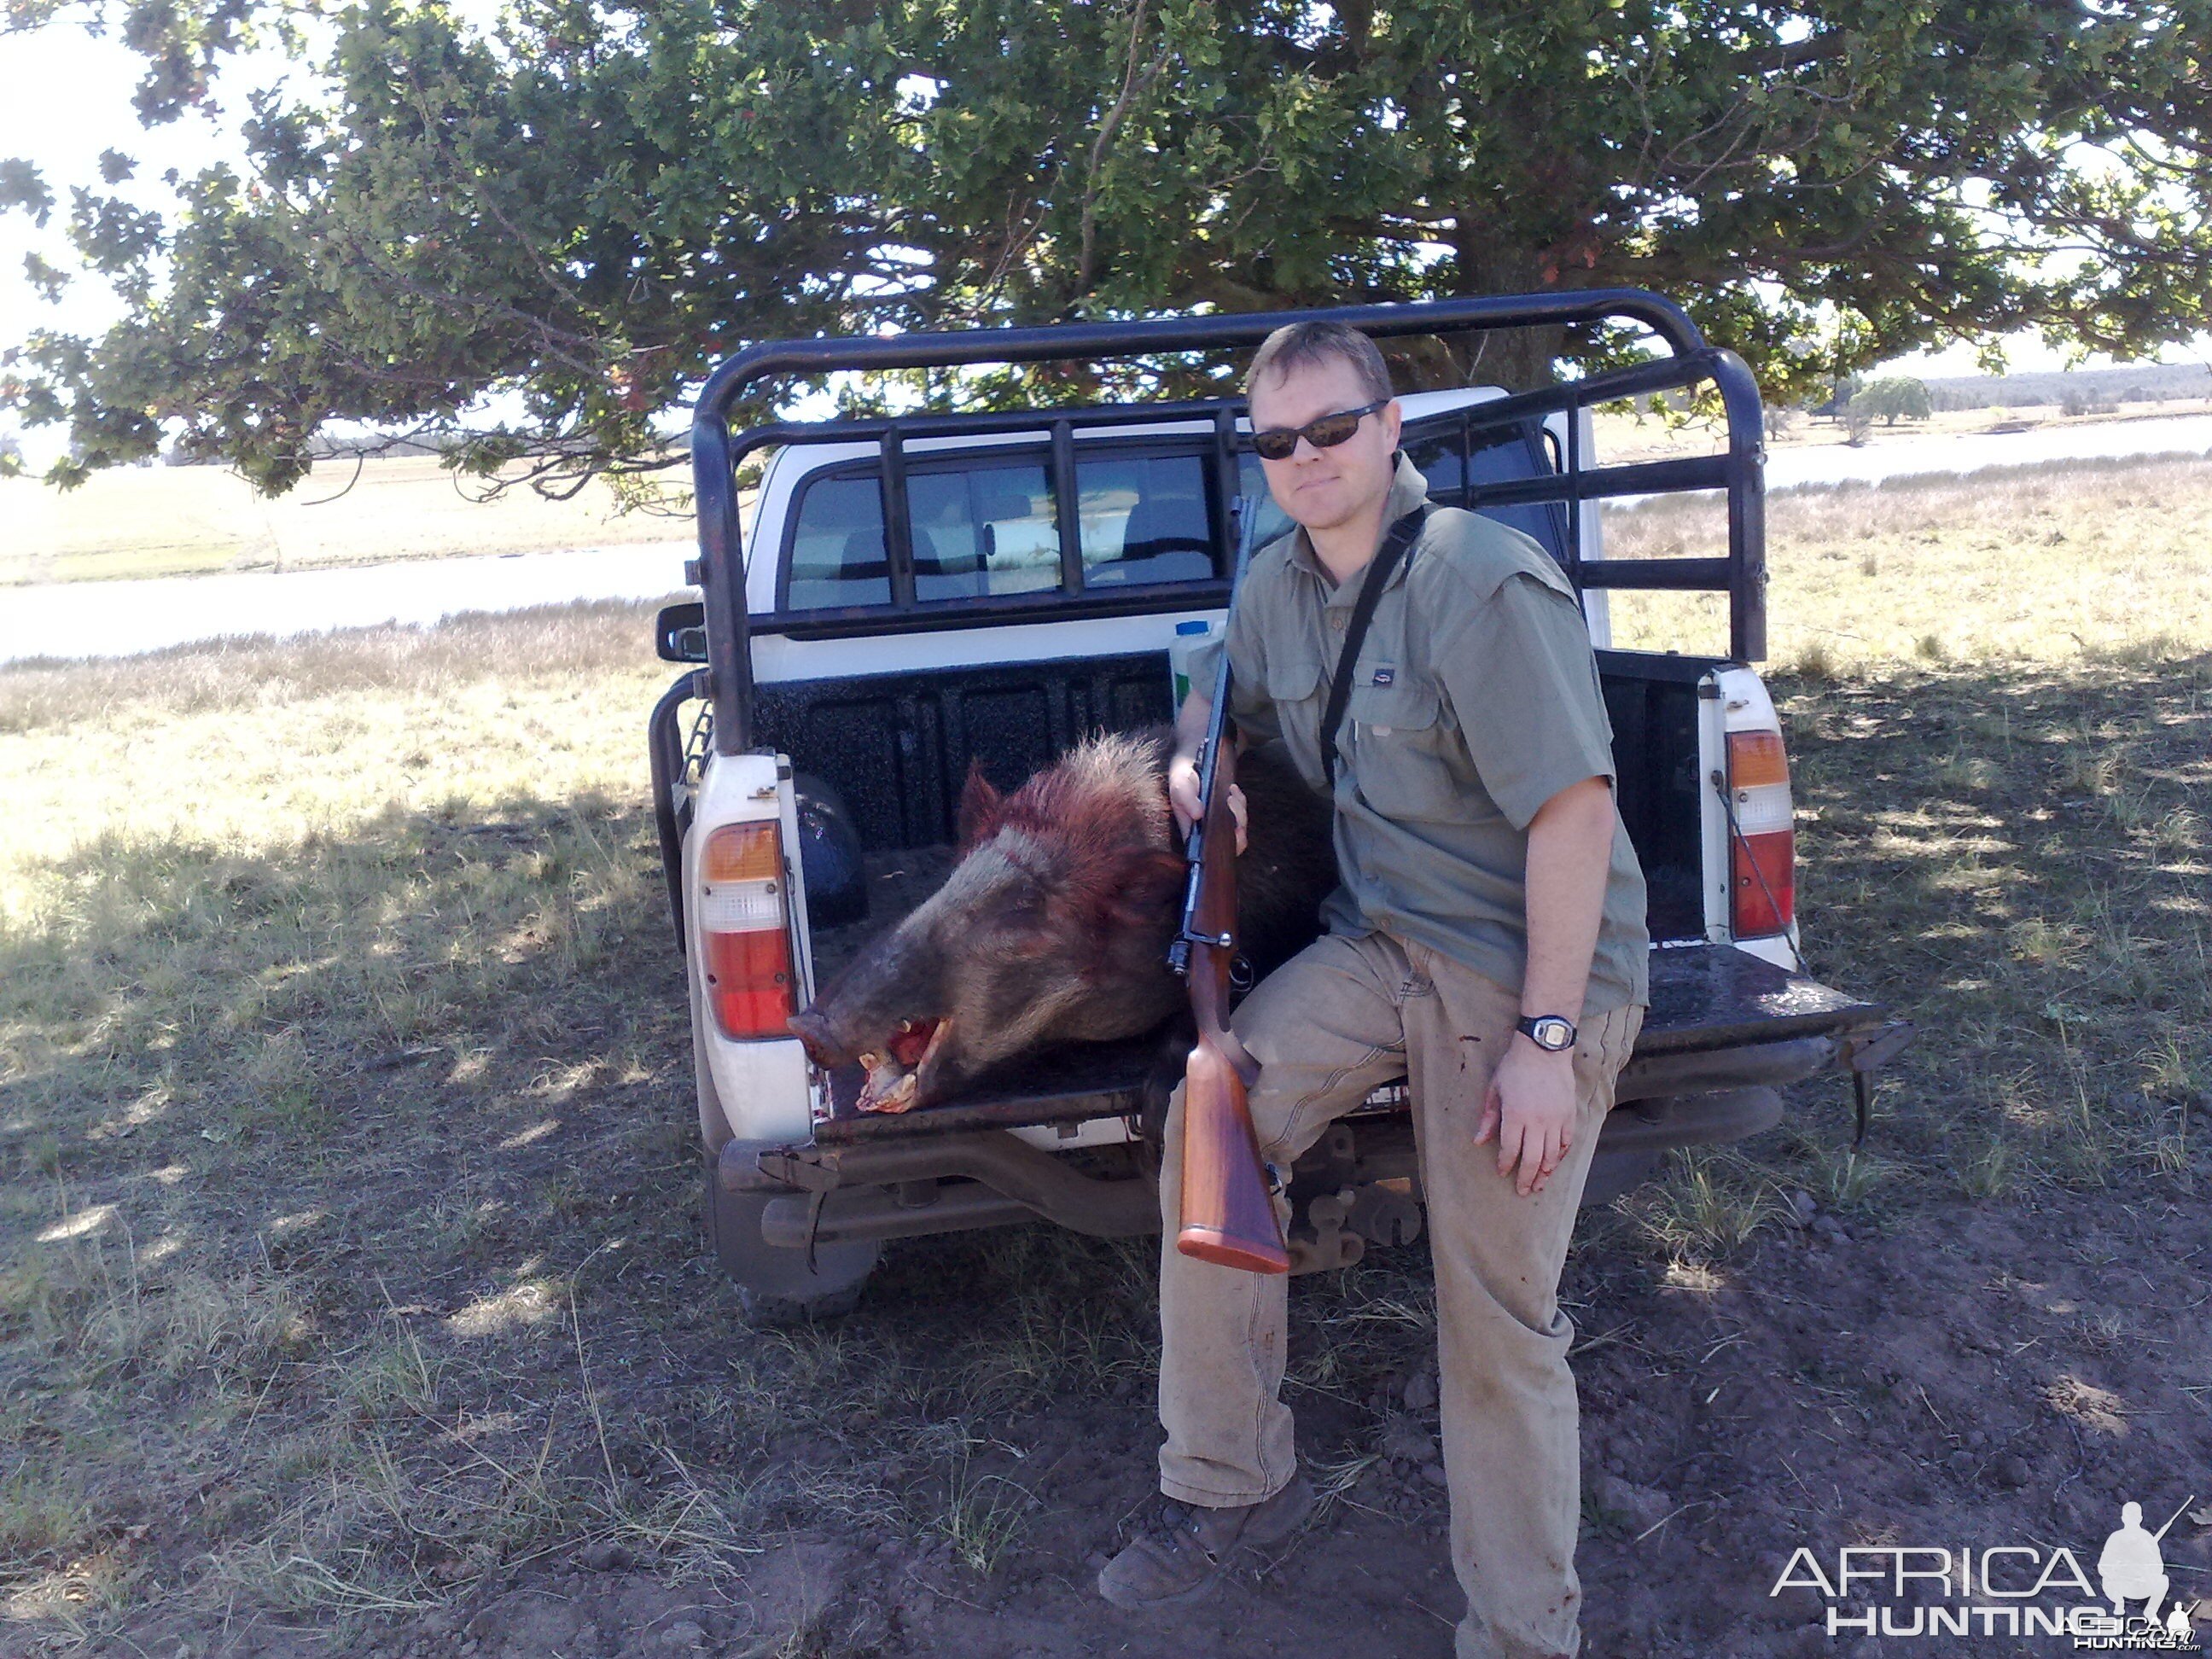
(1280, 443)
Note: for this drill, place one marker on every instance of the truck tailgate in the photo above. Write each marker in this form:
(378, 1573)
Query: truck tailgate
(1706, 1000)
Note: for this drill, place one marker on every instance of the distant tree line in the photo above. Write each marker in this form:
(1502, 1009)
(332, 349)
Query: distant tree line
(2129, 383)
(1856, 402)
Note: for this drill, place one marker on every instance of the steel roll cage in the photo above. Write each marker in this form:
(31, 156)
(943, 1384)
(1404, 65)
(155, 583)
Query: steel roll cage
(719, 570)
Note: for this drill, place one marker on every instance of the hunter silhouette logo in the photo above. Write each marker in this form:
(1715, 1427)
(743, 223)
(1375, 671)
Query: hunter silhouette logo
(2132, 1567)
(2018, 1589)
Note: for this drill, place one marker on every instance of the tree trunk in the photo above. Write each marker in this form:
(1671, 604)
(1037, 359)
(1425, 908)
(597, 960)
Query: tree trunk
(1519, 359)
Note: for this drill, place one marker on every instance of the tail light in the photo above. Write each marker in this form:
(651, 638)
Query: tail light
(1763, 845)
(744, 930)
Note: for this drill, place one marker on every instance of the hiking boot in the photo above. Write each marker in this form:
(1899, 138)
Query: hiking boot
(1177, 1556)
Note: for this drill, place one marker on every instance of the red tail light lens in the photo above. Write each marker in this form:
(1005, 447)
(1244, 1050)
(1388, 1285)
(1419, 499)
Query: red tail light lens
(1763, 846)
(1765, 890)
(745, 931)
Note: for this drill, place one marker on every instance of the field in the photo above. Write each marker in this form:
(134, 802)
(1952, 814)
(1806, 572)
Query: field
(168, 521)
(351, 1299)
(1638, 434)
(2095, 560)
(185, 520)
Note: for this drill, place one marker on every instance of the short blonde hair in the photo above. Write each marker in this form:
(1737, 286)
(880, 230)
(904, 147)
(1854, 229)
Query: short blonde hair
(1300, 345)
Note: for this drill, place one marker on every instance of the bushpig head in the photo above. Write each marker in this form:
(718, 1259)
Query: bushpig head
(1053, 928)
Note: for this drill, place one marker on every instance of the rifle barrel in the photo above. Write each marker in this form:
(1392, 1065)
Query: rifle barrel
(2175, 1516)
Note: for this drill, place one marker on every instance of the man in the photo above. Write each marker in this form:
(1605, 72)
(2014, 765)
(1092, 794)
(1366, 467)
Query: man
(1488, 941)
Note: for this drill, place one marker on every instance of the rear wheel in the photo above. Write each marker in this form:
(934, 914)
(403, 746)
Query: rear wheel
(781, 1286)
(1612, 1173)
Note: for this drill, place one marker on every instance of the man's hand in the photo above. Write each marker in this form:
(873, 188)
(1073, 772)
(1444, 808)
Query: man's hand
(1183, 796)
(1530, 1108)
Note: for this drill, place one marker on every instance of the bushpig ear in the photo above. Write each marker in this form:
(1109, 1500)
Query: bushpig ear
(980, 808)
(1144, 884)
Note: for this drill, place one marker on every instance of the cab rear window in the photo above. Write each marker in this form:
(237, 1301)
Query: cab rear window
(1143, 518)
(990, 527)
(983, 531)
(837, 557)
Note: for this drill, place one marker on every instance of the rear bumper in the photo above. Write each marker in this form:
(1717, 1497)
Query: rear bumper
(1725, 1033)
(958, 1180)
(937, 1184)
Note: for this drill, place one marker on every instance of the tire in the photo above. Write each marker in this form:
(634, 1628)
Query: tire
(1612, 1173)
(779, 1287)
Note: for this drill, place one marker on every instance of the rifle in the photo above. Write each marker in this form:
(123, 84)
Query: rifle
(1228, 1211)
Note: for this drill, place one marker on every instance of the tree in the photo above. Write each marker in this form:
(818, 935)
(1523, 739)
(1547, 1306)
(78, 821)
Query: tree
(1886, 400)
(590, 209)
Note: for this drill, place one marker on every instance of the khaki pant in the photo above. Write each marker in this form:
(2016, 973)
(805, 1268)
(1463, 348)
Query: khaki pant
(1340, 1017)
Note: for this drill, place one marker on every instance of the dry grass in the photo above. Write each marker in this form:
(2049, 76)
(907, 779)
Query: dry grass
(349, 1219)
(168, 521)
(2092, 560)
(348, 1248)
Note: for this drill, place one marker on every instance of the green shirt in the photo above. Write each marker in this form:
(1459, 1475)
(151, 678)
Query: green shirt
(1475, 700)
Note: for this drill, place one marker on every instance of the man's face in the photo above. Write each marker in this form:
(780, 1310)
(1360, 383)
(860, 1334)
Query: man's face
(1321, 488)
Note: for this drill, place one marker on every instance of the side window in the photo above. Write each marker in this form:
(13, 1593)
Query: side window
(983, 531)
(1143, 520)
(1436, 455)
(1510, 459)
(1252, 482)
(838, 546)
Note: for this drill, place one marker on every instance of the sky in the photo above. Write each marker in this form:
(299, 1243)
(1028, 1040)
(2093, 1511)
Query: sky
(65, 97)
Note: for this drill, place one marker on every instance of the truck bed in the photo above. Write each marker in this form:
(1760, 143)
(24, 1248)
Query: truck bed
(1704, 997)
(896, 747)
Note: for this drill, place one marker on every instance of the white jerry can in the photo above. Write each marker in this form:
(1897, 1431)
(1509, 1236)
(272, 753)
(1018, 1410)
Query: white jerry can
(1189, 637)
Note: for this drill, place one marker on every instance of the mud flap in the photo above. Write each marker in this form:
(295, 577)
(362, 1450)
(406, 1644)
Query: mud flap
(1866, 1052)
(781, 1286)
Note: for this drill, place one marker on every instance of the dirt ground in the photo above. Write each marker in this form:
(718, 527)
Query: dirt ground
(353, 1300)
(1978, 1374)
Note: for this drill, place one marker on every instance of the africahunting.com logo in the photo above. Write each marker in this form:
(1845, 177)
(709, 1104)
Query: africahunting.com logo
(2019, 1590)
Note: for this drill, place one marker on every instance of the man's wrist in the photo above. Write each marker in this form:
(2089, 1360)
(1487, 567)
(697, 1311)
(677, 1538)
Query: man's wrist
(1523, 1041)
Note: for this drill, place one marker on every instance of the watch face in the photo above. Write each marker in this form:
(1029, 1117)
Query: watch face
(1552, 1032)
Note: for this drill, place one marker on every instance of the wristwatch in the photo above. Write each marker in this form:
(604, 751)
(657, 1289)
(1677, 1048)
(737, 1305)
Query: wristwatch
(1549, 1032)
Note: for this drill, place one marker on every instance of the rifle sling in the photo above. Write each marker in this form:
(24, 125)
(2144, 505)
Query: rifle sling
(1355, 633)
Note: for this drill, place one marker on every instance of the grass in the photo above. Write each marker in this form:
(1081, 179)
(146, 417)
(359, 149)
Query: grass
(2089, 561)
(348, 1239)
(2042, 916)
(170, 521)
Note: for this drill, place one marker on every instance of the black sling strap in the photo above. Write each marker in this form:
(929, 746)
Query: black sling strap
(1362, 613)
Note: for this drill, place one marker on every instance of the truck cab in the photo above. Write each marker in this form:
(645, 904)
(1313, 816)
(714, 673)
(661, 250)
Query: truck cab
(925, 593)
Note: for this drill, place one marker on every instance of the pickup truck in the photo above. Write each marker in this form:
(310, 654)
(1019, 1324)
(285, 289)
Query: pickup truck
(931, 590)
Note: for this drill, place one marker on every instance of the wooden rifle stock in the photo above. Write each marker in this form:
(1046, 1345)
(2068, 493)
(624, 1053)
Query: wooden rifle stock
(1228, 1210)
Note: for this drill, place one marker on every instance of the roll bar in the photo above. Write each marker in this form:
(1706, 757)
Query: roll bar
(719, 570)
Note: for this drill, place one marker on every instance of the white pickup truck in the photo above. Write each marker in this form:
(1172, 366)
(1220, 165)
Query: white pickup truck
(927, 592)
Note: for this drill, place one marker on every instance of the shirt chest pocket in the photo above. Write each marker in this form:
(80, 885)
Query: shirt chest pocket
(1295, 687)
(1401, 749)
